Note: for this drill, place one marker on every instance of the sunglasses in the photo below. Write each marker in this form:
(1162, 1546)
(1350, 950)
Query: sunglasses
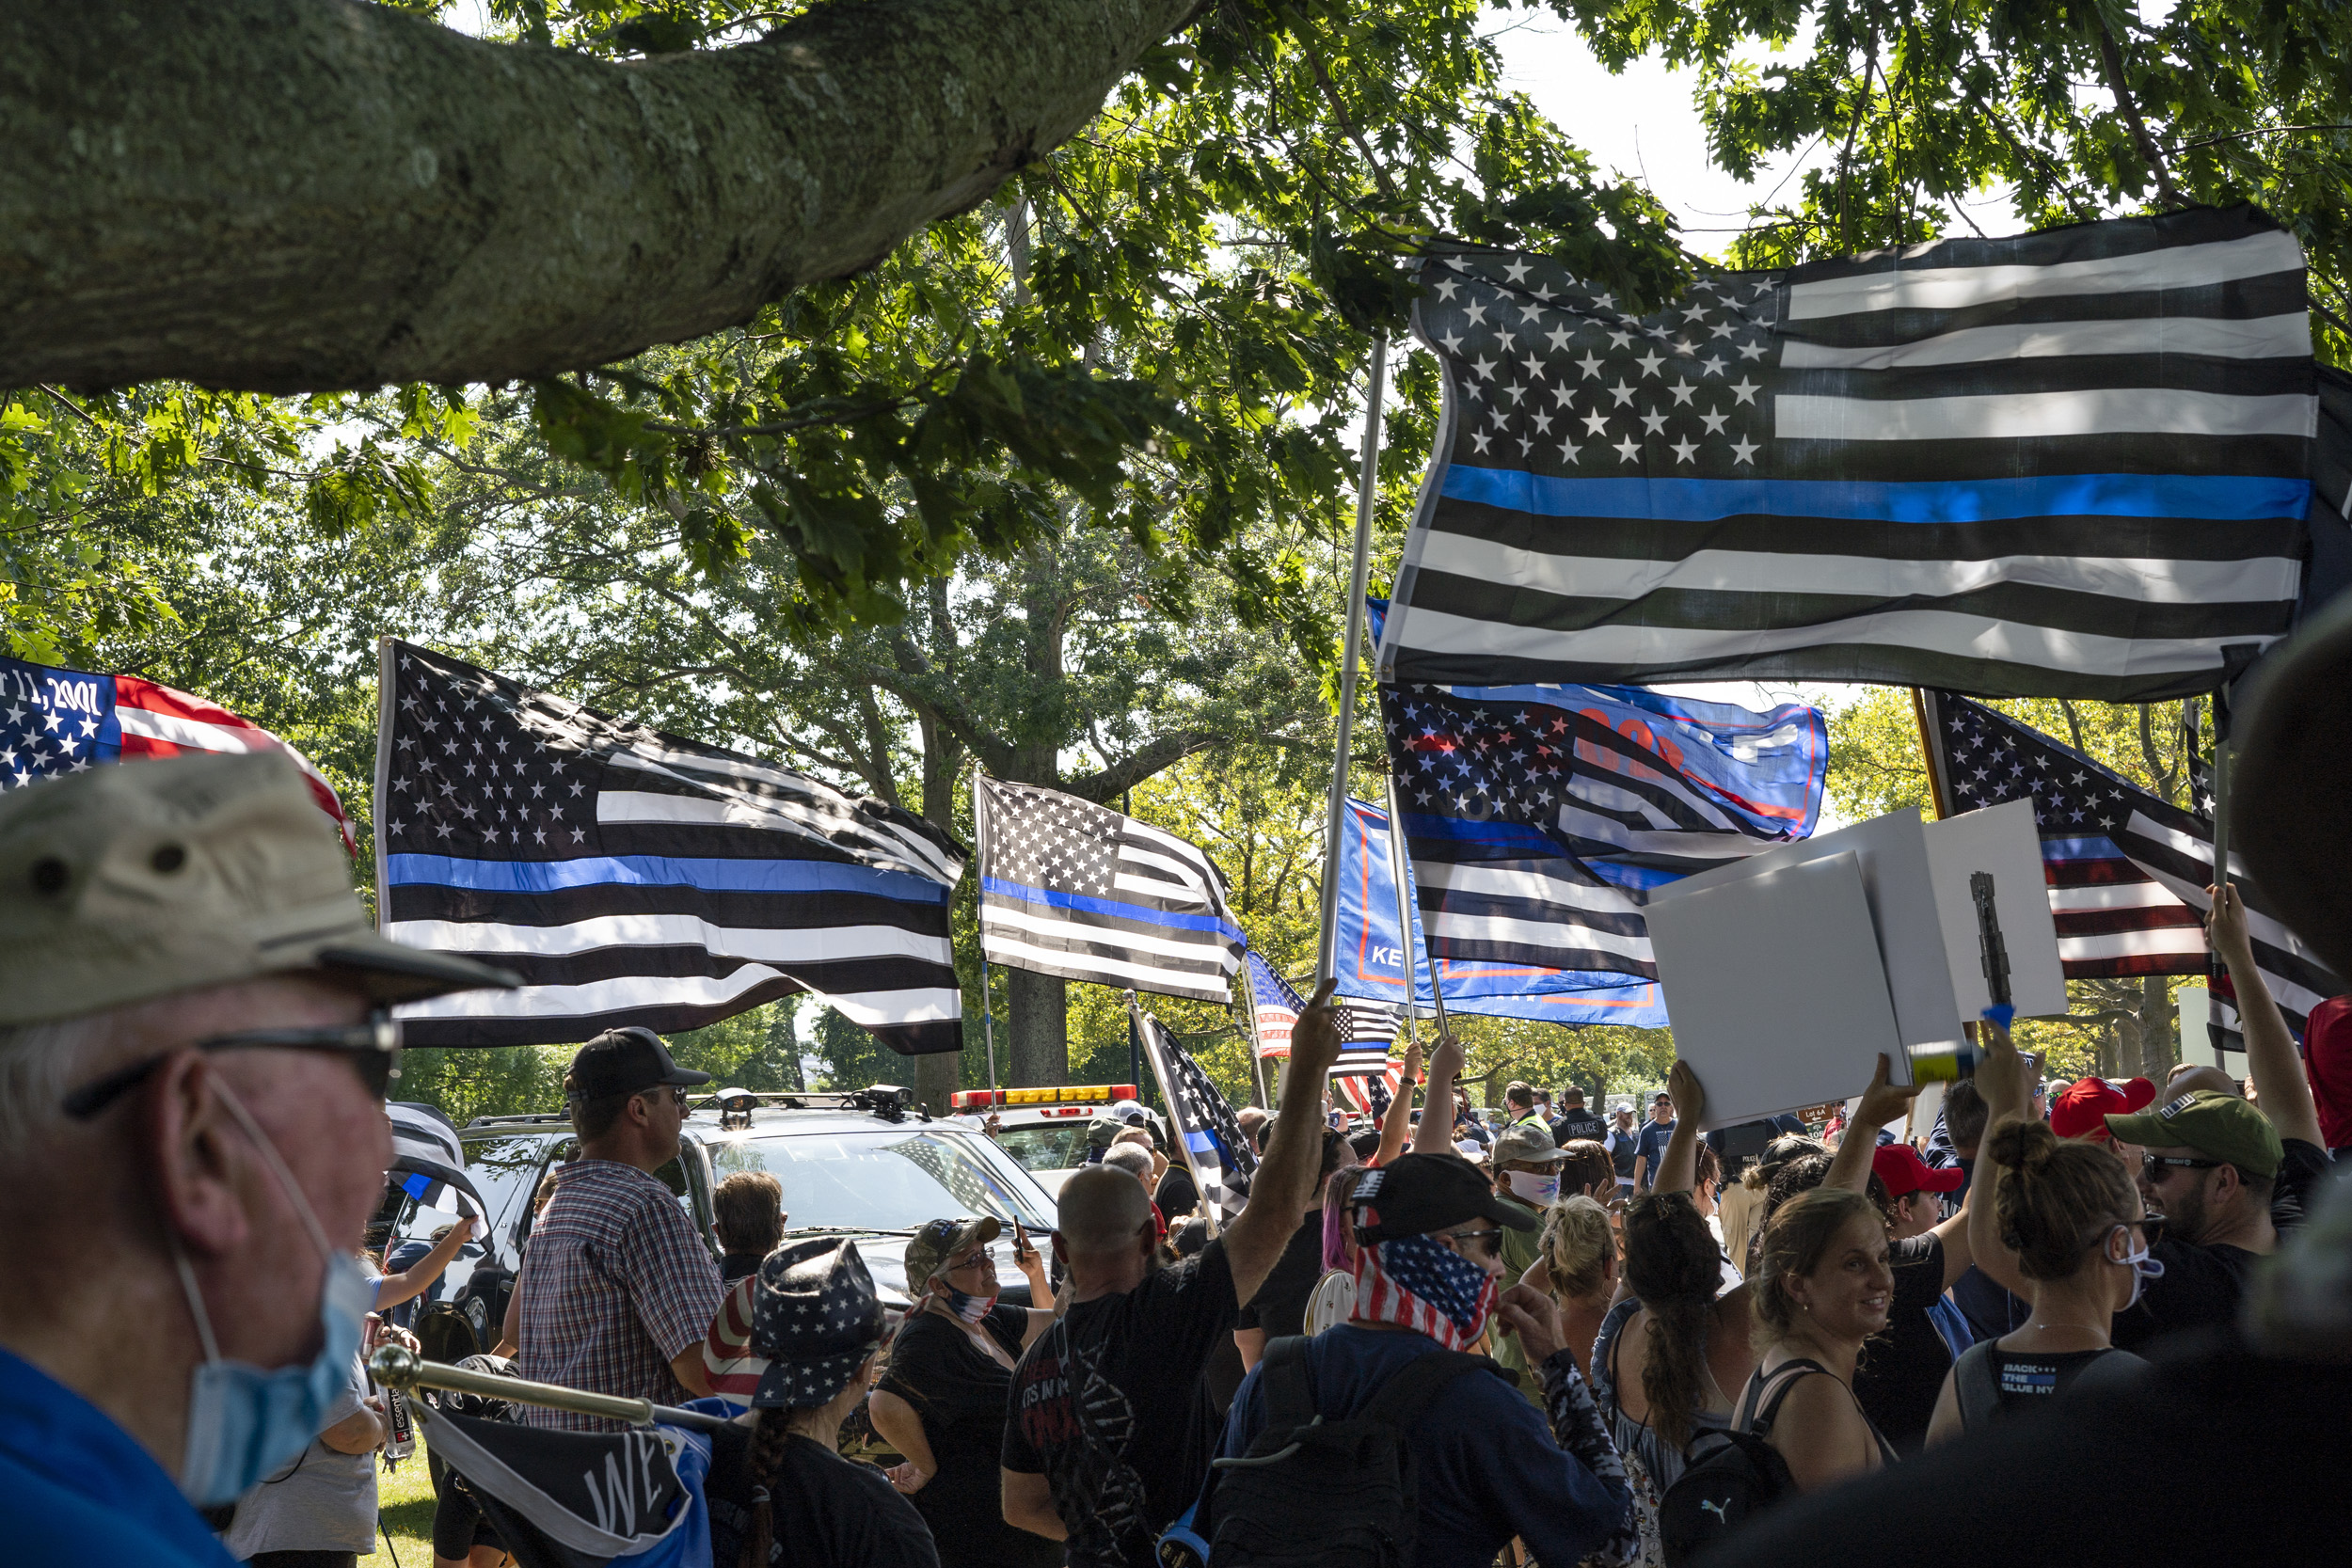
(2152, 1166)
(678, 1094)
(372, 1049)
(1490, 1243)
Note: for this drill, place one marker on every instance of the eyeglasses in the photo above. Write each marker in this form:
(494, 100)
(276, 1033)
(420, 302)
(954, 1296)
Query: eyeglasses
(678, 1094)
(1489, 1242)
(2152, 1166)
(979, 1255)
(372, 1049)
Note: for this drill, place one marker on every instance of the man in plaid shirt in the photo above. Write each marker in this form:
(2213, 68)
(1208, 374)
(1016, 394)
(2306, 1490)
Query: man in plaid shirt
(617, 1291)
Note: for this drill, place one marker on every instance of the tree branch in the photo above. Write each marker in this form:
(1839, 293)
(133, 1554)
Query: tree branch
(1137, 766)
(286, 196)
(2111, 64)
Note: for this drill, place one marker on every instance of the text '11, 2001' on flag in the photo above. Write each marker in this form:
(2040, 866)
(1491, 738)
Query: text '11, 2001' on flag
(2075, 463)
(634, 877)
(1073, 889)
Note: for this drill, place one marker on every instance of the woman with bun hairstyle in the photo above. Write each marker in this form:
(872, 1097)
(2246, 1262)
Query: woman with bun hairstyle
(2074, 1217)
(1576, 1267)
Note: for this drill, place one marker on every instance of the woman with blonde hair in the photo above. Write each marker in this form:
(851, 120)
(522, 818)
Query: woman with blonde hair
(1577, 1266)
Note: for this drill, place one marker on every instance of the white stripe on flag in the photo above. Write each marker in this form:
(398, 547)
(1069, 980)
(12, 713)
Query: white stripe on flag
(1691, 846)
(1534, 933)
(2113, 896)
(1599, 791)
(784, 945)
(195, 733)
(995, 918)
(2186, 266)
(1931, 631)
(2148, 579)
(1493, 881)
(2160, 940)
(2263, 338)
(868, 1009)
(1005, 949)
(2025, 416)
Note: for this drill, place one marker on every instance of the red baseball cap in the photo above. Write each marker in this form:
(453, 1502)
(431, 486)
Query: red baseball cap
(1898, 1165)
(2083, 1110)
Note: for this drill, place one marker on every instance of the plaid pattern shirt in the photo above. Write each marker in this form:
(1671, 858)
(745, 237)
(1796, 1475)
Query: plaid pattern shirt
(617, 1284)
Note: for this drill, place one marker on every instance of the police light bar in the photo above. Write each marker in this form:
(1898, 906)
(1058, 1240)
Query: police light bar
(1066, 1094)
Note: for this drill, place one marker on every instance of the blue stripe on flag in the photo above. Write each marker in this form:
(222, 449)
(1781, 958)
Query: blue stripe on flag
(2097, 849)
(416, 1184)
(2222, 498)
(1201, 1143)
(717, 876)
(1110, 907)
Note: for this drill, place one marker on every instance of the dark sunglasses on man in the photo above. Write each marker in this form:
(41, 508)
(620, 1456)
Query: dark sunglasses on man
(372, 1049)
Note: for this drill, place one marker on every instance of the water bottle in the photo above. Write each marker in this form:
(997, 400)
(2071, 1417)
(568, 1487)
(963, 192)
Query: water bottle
(401, 1440)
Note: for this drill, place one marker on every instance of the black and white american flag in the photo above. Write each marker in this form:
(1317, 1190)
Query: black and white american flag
(1073, 889)
(2074, 463)
(634, 877)
(1221, 1159)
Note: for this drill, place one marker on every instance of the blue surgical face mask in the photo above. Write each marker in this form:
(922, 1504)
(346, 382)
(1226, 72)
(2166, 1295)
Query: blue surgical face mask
(246, 1421)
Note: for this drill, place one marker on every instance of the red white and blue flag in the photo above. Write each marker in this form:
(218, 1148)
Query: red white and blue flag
(54, 721)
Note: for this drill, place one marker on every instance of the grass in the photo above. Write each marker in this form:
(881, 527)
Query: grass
(405, 1501)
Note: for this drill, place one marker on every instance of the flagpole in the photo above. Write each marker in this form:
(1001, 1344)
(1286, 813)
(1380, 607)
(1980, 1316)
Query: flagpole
(1367, 486)
(987, 996)
(2220, 811)
(1936, 791)
(1257, 1041)
(1399, 869)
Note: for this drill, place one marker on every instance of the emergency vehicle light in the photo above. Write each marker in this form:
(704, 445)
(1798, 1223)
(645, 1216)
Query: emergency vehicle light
(1066, 1094)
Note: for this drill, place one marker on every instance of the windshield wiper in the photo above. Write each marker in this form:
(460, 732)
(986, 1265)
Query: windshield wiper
(846, 1230)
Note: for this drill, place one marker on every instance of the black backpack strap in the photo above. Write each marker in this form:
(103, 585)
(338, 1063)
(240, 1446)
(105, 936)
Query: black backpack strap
(1761, 1404)
(1401, 1399)
(1290, 1397)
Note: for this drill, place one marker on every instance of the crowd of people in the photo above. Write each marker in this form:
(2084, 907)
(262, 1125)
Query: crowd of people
(1562, 1338)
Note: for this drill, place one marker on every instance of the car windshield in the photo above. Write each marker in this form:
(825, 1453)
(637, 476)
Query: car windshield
(1045, 1147)
(883, 1178)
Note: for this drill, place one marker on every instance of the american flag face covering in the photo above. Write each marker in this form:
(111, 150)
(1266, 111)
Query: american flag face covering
(1416, 1283)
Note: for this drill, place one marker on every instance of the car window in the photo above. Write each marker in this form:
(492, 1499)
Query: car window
(886, 1178)
(505, 1168)
(1048, 1148)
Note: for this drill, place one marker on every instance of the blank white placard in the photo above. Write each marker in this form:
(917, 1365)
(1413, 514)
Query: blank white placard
(2002, 840)
(1774, 985)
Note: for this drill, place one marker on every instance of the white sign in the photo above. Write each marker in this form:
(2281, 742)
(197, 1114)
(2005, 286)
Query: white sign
(2000, 840)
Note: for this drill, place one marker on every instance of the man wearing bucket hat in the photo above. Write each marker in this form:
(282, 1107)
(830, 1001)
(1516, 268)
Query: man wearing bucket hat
(192, 1066)
(779, 1490)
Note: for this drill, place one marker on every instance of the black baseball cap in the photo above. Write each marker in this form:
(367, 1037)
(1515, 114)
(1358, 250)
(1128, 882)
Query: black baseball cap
(623, 1061)
(1415, 1194)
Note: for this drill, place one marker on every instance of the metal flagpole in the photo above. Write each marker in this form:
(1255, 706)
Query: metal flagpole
(2220, 811)
(1326, 954)
(988, 995)
(1927, 720)
(1399, 865)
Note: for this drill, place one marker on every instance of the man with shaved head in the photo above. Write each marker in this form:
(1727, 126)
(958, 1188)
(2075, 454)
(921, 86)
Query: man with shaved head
(1109, 1426)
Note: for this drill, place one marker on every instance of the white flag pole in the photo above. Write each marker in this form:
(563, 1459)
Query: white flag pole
(1367, 486)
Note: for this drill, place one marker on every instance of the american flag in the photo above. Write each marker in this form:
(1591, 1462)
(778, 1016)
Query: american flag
(55, 721)
(1369, 1093)
(1277, 1005)
(1368, 1030)
(2127, 871)
(1073, 889)
(1221, 1159)
(634, 877)
(1397, 1281)
(2074, 463)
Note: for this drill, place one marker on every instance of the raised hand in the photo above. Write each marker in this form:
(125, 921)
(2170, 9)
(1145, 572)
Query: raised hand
(1881, 1103)
(1690, 1095)
(1315, 1037)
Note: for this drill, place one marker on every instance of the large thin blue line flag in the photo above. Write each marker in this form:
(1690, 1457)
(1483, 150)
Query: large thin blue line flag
(2075, 463)
(635, 878)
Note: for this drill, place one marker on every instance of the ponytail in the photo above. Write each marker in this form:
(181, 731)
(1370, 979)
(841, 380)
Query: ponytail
(1673, 1264)
(769, 1437)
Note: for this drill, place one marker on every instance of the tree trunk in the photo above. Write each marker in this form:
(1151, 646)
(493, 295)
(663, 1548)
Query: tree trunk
(1040, 1004)
(2159, 1031)
(288, 195)
(936, 1078)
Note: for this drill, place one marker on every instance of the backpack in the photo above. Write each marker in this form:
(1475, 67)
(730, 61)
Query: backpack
(1730, 1476)
(1336, 1494)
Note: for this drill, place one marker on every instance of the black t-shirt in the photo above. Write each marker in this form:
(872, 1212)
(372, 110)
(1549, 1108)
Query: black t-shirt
(1110, 1407)
(1573, 1125)
(1176, 1193)
(2201, 1285)
(1902, 1369)
(1280, 1308)
(827, 1511)
(960, 1393)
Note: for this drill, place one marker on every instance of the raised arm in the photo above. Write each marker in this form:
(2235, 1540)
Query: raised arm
(2001, 1079)
(2271, 1061)
(1436, 1133)
(418, 1277)
(1293, 1152)
(1397, 1125)
(1678, 1168)
(1881, 1103)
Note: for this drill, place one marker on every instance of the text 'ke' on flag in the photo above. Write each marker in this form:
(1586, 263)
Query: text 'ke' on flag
(1536, 829)
(633, 877)
(2074, 463)
(54, 721)
(1073, 889)
(1206, 1129)
(2127, 871)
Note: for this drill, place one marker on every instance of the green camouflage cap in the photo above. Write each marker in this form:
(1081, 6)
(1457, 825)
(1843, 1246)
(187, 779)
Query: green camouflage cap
(2220, 1126)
